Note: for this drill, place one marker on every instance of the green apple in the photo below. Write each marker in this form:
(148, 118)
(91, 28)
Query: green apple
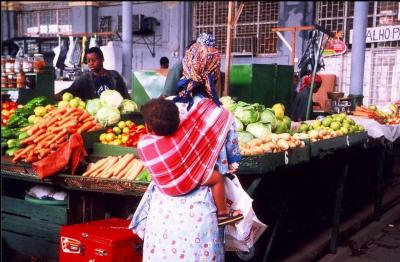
(117, 130)
(74, 103)
(67, 97)
(344, 130)
(31, 119)
(40, 111)
(327, 121)
(121, 124)
(335, 125)
(316, 124)
(63, 104)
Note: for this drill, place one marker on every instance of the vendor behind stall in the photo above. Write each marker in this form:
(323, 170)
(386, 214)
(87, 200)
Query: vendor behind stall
(91, 84)
(299, 106)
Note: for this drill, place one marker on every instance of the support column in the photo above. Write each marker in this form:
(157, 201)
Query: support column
(127, 42)
(358, 52)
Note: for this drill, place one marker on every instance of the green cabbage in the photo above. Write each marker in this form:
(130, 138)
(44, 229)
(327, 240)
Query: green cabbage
(93, 105)
(246, 115)
(128, 106)
(259, 129)
(268, 116)
(108, 116)
(244, 136)
(111, 98)
(228, 103)
(239, 125)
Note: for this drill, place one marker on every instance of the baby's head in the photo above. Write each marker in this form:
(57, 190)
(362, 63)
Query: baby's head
(161, 116)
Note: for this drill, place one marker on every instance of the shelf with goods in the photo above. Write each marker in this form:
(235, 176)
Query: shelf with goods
(38, 84)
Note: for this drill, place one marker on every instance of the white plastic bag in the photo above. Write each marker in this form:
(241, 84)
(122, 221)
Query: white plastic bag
(244, 234)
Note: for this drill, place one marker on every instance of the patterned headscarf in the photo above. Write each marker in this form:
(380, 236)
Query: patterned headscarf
(206, 39)
(201, 67)
(308, 80)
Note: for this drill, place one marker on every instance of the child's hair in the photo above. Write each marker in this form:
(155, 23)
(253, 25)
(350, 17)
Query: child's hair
(161, 116)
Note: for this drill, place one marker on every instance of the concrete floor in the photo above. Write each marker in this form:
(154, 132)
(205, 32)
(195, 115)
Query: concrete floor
(385, 246)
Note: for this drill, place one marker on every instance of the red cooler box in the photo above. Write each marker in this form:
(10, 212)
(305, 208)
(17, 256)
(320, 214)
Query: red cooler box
(107, 240)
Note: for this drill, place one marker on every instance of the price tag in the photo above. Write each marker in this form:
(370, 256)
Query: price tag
(286, 157)
(347, 141)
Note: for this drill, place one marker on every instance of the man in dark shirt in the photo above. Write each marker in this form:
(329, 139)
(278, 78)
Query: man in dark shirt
(91, 84)
(300, 103)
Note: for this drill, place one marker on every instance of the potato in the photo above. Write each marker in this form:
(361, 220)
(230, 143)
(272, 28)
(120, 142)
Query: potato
(284, 136)
(283, 144)
(255, 142)
(266, 139)
(292, 144)
(266, 148)
(256, 151)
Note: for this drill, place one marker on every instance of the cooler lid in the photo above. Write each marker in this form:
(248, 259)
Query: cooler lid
(110, 231)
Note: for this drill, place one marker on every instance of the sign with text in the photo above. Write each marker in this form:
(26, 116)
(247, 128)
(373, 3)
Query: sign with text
(380, 34)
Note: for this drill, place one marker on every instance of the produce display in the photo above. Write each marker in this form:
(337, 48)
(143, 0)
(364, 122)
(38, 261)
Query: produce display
(46, 135)
(125, 133)
(108, 108)
(389, 115)
(270, 144)
(328, 127)
(7, 110)
(11, 134)
(126, 167)
(255, 120)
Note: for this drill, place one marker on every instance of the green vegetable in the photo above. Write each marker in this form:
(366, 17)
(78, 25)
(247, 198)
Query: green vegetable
(10, 133)
(93, 105)
(13, 143)
(17, 121)
(259, 129)
(111, 98)
(228, 103)
(128, 106)
(108, 116)
(244, 136)
(37, 101)
(11, 151)
(23, 135)
(268, 116)
(144, 176)
(239, 125)
(247, 115)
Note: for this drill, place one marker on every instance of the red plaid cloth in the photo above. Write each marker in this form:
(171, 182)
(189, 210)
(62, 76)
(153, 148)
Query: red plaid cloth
(181, 162)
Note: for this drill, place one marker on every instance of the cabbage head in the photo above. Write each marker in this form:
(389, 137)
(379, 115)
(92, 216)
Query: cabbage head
(111, 98)
(244, 136)
(93, 105)
(246, 115)
(108, 116)
(268, 116)
(228, 103)
(128, 106)
(259, 129)
(239, 125)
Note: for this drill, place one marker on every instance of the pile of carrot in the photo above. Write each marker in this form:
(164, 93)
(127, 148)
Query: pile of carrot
(52, 131)
(120, 167)
(363, 111)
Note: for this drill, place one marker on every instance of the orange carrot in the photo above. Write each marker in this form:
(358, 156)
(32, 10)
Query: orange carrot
(88, 119)
(86, 126)
(23, 152)
(83, 116)
(31, 159)
(71, 123)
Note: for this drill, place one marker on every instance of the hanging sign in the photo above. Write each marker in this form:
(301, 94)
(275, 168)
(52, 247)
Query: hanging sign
(380, 34)
(335, 45)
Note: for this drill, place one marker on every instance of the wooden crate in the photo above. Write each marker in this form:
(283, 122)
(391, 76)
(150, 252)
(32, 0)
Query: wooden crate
(32, 229)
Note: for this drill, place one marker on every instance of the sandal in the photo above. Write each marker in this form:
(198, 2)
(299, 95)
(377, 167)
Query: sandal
(227, 219)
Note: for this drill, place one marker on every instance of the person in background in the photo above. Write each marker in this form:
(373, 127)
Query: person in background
(174, 74)
(164, 62)
(294, 91)
(91, 84)
(299, 106)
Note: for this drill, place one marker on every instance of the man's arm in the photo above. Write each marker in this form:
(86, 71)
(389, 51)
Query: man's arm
(174, 74)
(73, 89)
(121, 87)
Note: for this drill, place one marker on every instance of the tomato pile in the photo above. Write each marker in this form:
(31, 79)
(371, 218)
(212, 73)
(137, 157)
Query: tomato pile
(7, 110)
(125, 133)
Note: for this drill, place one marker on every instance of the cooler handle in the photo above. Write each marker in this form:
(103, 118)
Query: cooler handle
(138, 247)
(100, 252)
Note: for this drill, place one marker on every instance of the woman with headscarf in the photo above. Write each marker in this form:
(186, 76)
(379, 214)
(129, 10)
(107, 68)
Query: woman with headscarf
(299, 106)
(185, 227)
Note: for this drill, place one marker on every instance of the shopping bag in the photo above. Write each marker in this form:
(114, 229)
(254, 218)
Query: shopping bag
(244, 234)
(68, 155)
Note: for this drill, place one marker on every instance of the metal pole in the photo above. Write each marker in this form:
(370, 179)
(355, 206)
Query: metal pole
(316, 61)
(228, 48)
(358, 50)
(127, 42)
